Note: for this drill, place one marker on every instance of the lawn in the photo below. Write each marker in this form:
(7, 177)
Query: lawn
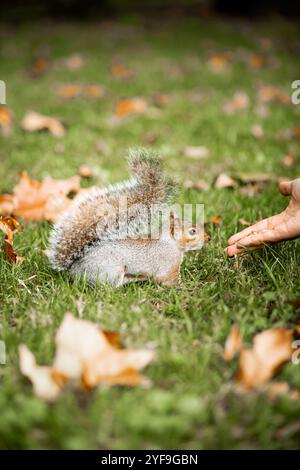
(191, 403)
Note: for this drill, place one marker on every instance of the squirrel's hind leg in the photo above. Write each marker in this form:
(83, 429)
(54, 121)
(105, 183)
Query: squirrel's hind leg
(170, 278)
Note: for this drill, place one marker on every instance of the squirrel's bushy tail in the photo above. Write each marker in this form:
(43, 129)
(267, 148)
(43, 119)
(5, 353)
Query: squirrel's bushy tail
(152, 187)
(87, 221)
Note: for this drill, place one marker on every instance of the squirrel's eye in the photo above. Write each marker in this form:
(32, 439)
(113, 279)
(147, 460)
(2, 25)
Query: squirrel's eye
(192, 232)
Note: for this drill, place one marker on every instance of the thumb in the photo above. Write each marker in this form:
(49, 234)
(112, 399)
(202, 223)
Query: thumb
(285, 187)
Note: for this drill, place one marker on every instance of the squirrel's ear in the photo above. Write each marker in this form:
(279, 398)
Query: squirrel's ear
(175, 223)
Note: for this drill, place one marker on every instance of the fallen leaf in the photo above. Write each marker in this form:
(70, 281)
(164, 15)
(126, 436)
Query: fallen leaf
(34, 122)
(233, 344)
(69, 91)
(224, 181)
(271, 349)
(85, 171)
(39, 66)
(256, 61)
(239, 102)
(127, 107)
(37, 200)
(244, 222)
(10, 226)
(120, 71)
(6, 120)
(6, 204)
(216, 219)
(162, 99)
(44, 385)
(288, 160)
(200, 185)
(196, 152)
(74, 62)
(219, 62)
(87, 355)
(270, 93)
(257, 131)
(296, 132)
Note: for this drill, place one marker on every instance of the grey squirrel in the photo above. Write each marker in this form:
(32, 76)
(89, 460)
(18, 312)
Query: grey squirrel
(91, 238)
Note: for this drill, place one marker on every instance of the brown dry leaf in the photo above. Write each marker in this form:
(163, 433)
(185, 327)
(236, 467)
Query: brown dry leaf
(244, 222)
(85, 171)
(89, 356)
(270, 93)
(296, 132)
(46, 199)
(74, 62)
(120, 71)
(84, 352)
(288, 160)
(216, 219)
(9, 226)
(44, 384)
(34, 122)
(196, 152)
(234, 343)
(6, 204)
(39, 67)
(219, 62)
(257, 131)
(271, 349)
(239, 102)
(162, 99)
(256, 61)
(128, 106)
(6, 120)
(224, 181)
(200, 185)
(71, 91)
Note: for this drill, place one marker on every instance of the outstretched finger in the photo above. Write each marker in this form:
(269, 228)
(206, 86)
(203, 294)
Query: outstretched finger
(261, 225)
(259, 238)
(285, 187)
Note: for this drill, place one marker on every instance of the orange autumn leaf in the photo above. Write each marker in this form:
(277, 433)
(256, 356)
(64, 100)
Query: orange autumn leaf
(6, 120)
(233, 344)
(256, 61)
(288, 160)
(70, 91)
(271, 349)
(44, 384)
(127, 106)
(119, 70)
(37, 200)
(7, 203)
(86, 355)
(218, 62)
(34, 122)
(239, 102)
(224, 181)
(39, 67)
(271, 93)
(74, 62)
(216, 220)
(10, 226)
(296, 132)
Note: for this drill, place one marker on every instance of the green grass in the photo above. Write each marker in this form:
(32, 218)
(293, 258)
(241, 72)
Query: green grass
(191, 404)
